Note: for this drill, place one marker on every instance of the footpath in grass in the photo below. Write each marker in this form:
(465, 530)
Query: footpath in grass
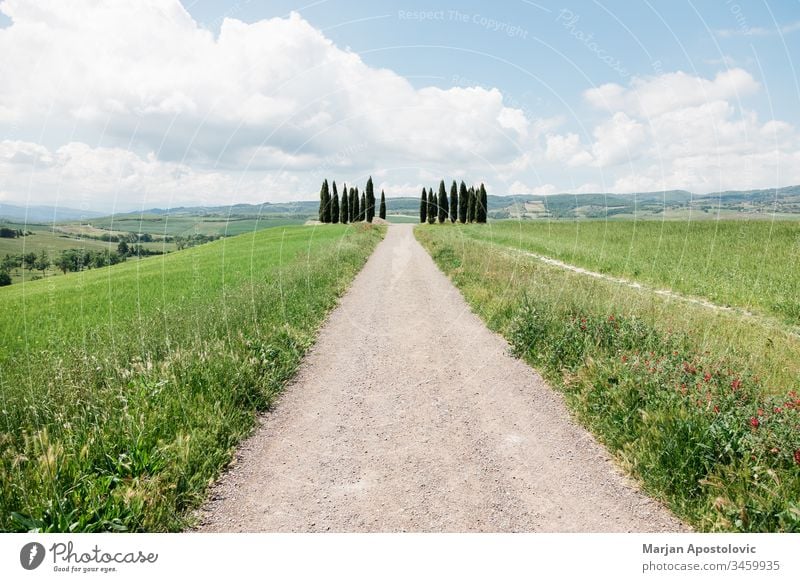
(124, 390)
(746, 264)
(702, 406)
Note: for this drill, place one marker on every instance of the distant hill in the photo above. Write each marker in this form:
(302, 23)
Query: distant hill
(670, 204)
(47, 214)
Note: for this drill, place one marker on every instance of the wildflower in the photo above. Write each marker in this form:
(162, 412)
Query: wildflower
(736, 384)
(797, 456)
(707, 376)
(624, 358)
(760, 412)
(777, 409)
(716, 408)
(754, 422)
(774, 450)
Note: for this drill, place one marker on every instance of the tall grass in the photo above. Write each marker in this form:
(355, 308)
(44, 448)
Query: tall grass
(123, 391)
(752, 265)
(672, 389)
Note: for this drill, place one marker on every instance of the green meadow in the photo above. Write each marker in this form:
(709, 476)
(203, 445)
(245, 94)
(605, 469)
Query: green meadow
(746, 264)
(124, 390)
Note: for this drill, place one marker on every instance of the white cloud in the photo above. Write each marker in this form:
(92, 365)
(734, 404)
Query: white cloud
(745, 30)
(169, 86)
(618, 140)
(649, 96)
(567, 149)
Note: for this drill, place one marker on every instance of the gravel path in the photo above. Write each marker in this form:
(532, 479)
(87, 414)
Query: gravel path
(409, 415)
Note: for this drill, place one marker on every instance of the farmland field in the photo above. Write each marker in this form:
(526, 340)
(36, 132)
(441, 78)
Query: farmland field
(700, 404)
(748, 264)
(123, 390)
(184, 225)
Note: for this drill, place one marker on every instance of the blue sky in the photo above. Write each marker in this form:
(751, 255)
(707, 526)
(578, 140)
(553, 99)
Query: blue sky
(545, 63)
(157, 103)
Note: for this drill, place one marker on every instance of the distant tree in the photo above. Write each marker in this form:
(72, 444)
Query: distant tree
(471, 204)
(8, 232)
(483, 208)
(442, 202)
(325, 202)
(5, 279)
(362, 209)
(382, 209)
(322, 201)
(42, 262)
(355, 210)
(123, 249)
(10, 262)
(453, 202)
(463, 203)
(370, 213)
(423, 206)
(350, 205)
(335, 205)
(29, 261)
(344, 208)
(432, 206)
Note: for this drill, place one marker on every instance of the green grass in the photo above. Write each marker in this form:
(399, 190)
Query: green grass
(188, 225)
(124, 390)
(402, 218)
(747, 264)
(700, 405)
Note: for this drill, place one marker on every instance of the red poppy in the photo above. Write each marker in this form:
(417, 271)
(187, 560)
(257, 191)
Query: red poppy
(716, 408)
(797, 456)
(736, 384)
(707, 376)
(777, 409)
(754, 422)
(761, 412)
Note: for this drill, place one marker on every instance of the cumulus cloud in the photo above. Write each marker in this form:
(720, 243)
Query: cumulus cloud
(260, 93)
(681, 131)
(650, 96)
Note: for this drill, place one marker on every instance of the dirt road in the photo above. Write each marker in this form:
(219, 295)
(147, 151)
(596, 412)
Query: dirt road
(409, 415)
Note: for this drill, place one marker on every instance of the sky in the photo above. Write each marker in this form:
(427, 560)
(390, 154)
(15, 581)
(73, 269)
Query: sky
(117, 105)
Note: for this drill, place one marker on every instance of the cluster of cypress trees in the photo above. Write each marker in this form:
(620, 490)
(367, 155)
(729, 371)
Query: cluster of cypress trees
(465, 205)
(351, 208)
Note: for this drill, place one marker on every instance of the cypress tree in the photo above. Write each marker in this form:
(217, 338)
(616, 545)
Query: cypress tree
(382, 209)
(483, 204)
(323, 195)
(352, 208)
(423, 207)
(370, 200)
(363, 208)
(335, 205)
(344, 208)
(432, 210)
(471, 204)
(357, 216)
(453, 202)
(463, 200)
(442, 201)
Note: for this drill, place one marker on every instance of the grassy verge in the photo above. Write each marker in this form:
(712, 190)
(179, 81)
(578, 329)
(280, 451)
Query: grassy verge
(747, 264)
(124, 390)
(674, 390)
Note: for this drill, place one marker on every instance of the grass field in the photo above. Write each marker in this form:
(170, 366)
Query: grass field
(43, 238)
(748, 264)
(181, 225)
(699, 404)
(123, 390)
